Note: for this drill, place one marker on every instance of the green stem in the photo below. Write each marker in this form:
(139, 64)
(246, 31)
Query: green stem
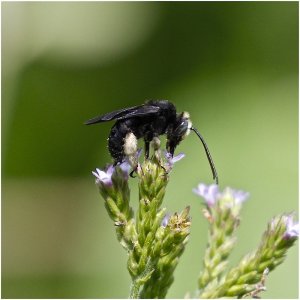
(135, 289)
(140, 280)
(221, 243)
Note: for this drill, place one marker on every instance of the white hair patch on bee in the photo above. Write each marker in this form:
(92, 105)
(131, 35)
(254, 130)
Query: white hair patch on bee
(130, 144)
(189, 127)
(186, 115)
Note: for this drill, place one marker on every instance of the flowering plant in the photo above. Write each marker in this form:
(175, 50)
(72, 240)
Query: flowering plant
(155, 240)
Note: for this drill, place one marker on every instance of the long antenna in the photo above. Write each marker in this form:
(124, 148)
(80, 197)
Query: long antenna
(211, 162)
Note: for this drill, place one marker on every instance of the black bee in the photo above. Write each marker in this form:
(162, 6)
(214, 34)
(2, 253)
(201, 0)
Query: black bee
(149, 120)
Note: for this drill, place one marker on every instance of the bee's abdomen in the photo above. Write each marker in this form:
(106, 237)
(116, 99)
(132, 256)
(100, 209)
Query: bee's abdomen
(122, 140)
(116, 143)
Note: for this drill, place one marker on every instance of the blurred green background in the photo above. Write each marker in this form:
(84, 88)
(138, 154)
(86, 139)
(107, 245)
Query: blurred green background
(233, 66)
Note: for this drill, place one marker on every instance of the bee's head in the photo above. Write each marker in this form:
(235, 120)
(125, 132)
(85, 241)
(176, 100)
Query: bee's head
(178, 131)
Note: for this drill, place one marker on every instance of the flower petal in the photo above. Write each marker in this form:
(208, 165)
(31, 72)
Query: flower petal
(239, 196)
(292, 228)
(125, 166)
(165, 220)
(104, 177)
(210, 193)
(171, 160)
(178, 157)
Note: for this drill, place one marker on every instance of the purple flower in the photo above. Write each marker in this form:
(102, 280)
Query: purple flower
(165, 220)
(139, 152)
(292, 228)
(172, 160)
(210, 193)
(239, 196)
(125, 167)
(104, 177)
(229, 198)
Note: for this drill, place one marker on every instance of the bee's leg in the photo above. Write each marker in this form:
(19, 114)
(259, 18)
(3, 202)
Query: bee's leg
(172, 150)
(170, 147)
(156, 143)
(164, 168)
(133, 171)
(147, 147)
(148, 136)
(131, 174)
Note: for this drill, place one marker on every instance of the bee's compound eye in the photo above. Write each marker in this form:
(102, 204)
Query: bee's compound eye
(181, 129)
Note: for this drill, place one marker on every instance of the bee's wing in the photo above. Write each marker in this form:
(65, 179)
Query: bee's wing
(125, 113)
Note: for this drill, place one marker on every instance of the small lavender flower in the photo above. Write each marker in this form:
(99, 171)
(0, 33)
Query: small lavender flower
(233, 199)
(171, 160)
(229, 198)
(239, 196)
(125, 167)
(292, 228)
(104, 177)
(165, 220)
(139, 152)
(210, 193)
